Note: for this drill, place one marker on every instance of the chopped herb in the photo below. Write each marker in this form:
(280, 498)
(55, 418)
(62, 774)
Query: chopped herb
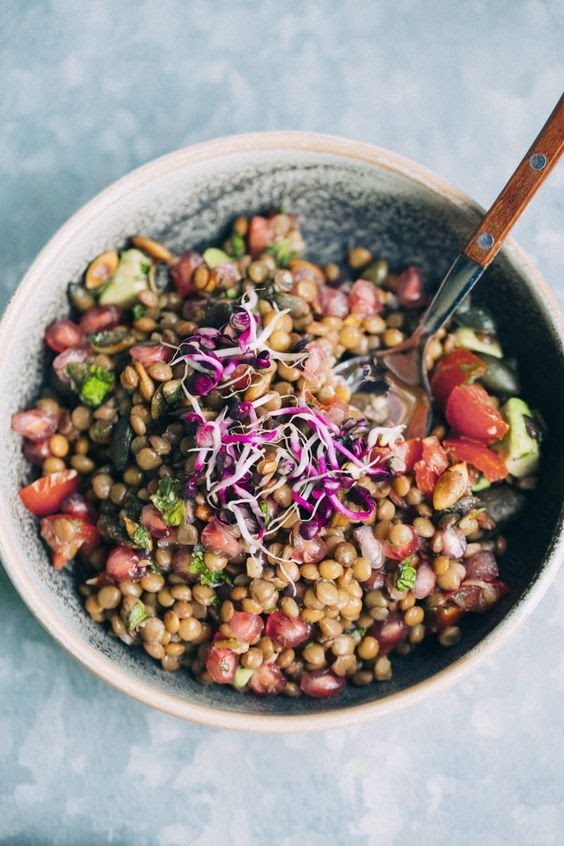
(237, 245)
(361, 631)
(136, 616)
(207, 577)
(231, 294)
(282, 251)
(96, 384)
(264, 508)
(141, 537)
(138, 311)
(169, 501)
(144, 267)
(406, 574)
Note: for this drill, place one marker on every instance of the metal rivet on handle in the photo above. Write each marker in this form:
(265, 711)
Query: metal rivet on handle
(485, 241)
(538, 161)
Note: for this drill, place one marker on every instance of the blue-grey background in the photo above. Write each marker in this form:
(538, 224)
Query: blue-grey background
(89, 90)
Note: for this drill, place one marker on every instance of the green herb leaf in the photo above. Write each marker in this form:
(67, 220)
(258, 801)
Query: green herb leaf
(141, 537)
(207, 577)
(169, 501)
(136, 616)
(406, 574)
(361, 631)
(144, 267)
(237, 245)
(264, 508)
(282, 251)
(96, 385)
(138, 311)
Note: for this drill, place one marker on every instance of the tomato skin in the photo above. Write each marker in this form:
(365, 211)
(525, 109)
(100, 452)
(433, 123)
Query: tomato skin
(364, 299)
(217, 538)
(149, 354)
(97, 318)
(431, 465)
(285, 631)
(36, 425)
(222, 664)
(84, 537)
(78, 506)
(322, 684)
(470, 415)
(245, 626)
(401, 552)
(410, 291)
(36, 451)
(46, 495)
(122, 565)
(268, 680)
(261, 235)
(479, 456)
(63, 334)
(183, 271)
(459, 367)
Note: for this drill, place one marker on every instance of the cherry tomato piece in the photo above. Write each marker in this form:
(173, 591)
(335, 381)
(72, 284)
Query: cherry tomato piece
(46, 495)
(479, 456)
(431, 465)
(470, 414)
(460, 367)
(261, 235)
(67, 535)
(410, 290)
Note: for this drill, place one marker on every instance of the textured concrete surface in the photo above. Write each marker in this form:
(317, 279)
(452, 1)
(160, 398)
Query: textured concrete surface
(90, 90)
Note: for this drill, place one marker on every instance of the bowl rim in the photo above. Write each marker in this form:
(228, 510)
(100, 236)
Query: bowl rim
(110, 672)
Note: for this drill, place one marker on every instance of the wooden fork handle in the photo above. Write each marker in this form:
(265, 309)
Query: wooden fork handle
(526, 180)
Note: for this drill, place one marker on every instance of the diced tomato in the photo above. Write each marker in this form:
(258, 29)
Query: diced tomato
(364, 299)
(469, 413)
(152, 520)
(438, 618)
(333, 409)
(217, 538)
(477, 595)
(431, 465)
(36, 451)
(75, 355)
(460, 367)
(268, 680)
(46, 495)
(122, 565)
(36, 425)
(479, 456)
(182, 272)
(389, 632)
(308, 551)
(482, 565)
(333, 302)
(245, 626)
(66, 535)
(398, 553)
(148, 354)
(285, 631)
(222, 664)
(63, 334)
(322, 684)
(78, 506)
(410, 290)
(97, 318)
(411, 452)
(261, 235)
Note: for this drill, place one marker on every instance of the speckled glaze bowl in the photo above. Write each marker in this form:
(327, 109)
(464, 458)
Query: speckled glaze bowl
(346, 193)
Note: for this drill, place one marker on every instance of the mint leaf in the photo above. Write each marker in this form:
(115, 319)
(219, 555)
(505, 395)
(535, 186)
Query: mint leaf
(97, 382)
(136, 616)
(264, 508)
(237, 246)
(207, 577)
(169, 501)
(406, 574)
(282, 251)
(138, 311)
(142, 537)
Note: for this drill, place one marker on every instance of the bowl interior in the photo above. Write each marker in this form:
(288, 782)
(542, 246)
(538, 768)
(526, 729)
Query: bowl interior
(189, 200)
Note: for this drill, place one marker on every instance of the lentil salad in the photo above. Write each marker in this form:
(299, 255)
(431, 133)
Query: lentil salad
(228, 505)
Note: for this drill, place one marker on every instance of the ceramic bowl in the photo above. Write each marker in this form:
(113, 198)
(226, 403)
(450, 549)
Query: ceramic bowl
(346, 193)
